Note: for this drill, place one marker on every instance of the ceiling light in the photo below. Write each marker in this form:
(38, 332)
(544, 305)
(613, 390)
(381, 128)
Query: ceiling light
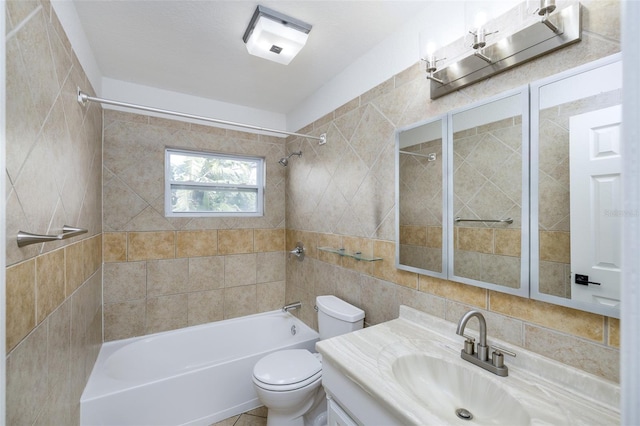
(274, 36)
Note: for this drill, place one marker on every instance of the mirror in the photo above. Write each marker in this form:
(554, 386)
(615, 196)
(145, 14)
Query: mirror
(543, 220)
(576, 199)
(460, 210)
(488, 193)
(420, 192)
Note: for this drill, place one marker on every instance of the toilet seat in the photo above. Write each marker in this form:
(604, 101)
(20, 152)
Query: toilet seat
(287, 370)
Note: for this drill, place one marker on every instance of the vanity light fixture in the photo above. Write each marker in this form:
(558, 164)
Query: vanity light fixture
(431, 62)
(558, 28)
(479, 43)
(480, 36)
(274, 36)
(547, 7)
(427, 54)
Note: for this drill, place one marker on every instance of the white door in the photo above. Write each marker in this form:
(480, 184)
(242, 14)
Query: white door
(596, 205)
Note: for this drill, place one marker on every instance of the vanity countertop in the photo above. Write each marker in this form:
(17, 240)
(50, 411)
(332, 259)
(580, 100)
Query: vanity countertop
(551, 392)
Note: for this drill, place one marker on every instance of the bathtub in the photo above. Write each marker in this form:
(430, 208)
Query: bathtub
(192, 376)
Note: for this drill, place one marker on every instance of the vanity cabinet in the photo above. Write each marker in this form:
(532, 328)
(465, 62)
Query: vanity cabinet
(348, 404)
(336, 416)
(409, 371)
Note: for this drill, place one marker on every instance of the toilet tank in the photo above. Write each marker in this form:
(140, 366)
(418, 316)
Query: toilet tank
(336, 317)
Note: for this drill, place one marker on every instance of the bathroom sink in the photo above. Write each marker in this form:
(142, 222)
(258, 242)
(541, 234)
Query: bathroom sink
(455, 393)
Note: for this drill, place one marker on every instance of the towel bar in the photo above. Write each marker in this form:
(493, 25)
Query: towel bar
(507, 220)
(26, 238)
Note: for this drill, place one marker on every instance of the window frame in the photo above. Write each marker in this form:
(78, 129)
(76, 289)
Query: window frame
(169, 184)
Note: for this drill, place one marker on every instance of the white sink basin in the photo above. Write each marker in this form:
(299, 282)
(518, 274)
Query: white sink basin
(447, 389)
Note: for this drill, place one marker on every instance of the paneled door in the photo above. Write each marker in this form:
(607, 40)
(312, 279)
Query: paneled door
(596, 206)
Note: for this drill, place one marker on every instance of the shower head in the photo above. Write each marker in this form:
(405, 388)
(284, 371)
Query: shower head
(285, 160)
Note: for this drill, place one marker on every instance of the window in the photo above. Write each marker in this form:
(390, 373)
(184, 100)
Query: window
(211, 184)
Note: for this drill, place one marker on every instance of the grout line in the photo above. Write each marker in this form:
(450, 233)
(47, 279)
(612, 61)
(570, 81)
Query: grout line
(24, 22)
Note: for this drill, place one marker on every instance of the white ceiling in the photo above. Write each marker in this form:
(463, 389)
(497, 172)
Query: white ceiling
(196, 47)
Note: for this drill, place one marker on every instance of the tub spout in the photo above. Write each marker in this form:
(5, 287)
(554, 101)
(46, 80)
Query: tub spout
(291, 306)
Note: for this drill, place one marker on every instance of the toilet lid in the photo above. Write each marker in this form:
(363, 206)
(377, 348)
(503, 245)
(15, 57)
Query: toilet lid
(287, 367)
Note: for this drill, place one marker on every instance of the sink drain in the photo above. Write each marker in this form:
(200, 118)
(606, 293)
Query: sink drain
(464, 414)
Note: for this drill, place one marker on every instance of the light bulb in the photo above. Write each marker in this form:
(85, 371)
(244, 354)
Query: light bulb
(480, 20)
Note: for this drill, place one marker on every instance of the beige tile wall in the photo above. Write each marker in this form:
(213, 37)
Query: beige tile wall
(157, 281)
(54, 174)
(165, 273)
(344, 191)
(54, 332)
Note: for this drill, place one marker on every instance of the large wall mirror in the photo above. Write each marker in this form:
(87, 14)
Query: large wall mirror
(489, 193)
(420, 198)
(540, 220)
(576, 206)
(462, 195)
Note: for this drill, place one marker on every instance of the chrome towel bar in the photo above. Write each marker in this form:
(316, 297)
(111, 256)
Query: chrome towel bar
(507, 220)
(26, 238)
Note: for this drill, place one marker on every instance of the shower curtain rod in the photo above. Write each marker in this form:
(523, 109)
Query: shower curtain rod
(83, 98)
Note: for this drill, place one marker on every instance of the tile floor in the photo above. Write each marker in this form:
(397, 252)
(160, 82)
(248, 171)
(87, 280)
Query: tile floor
(257, 417)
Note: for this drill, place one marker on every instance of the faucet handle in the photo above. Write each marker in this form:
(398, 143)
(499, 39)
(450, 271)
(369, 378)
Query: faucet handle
(502, 350)
(469, 344)
(497, 357)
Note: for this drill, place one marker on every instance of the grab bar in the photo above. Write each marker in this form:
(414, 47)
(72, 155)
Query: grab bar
(26, 238)
(507, 220)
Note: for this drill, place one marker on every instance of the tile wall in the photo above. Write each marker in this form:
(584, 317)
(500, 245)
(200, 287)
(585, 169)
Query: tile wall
(163, 273)
(342, 194)
(54, 174)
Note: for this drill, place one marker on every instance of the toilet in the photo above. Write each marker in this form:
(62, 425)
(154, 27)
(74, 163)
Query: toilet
(288, 382)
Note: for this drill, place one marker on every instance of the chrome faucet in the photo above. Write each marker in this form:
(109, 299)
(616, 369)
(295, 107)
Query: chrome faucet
(481, 358)
(291, 306)
(482, 344)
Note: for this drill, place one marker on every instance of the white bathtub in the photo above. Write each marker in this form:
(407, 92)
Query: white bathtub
(192, 376)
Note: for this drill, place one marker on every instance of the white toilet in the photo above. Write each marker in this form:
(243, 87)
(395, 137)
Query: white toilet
(288, 382)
